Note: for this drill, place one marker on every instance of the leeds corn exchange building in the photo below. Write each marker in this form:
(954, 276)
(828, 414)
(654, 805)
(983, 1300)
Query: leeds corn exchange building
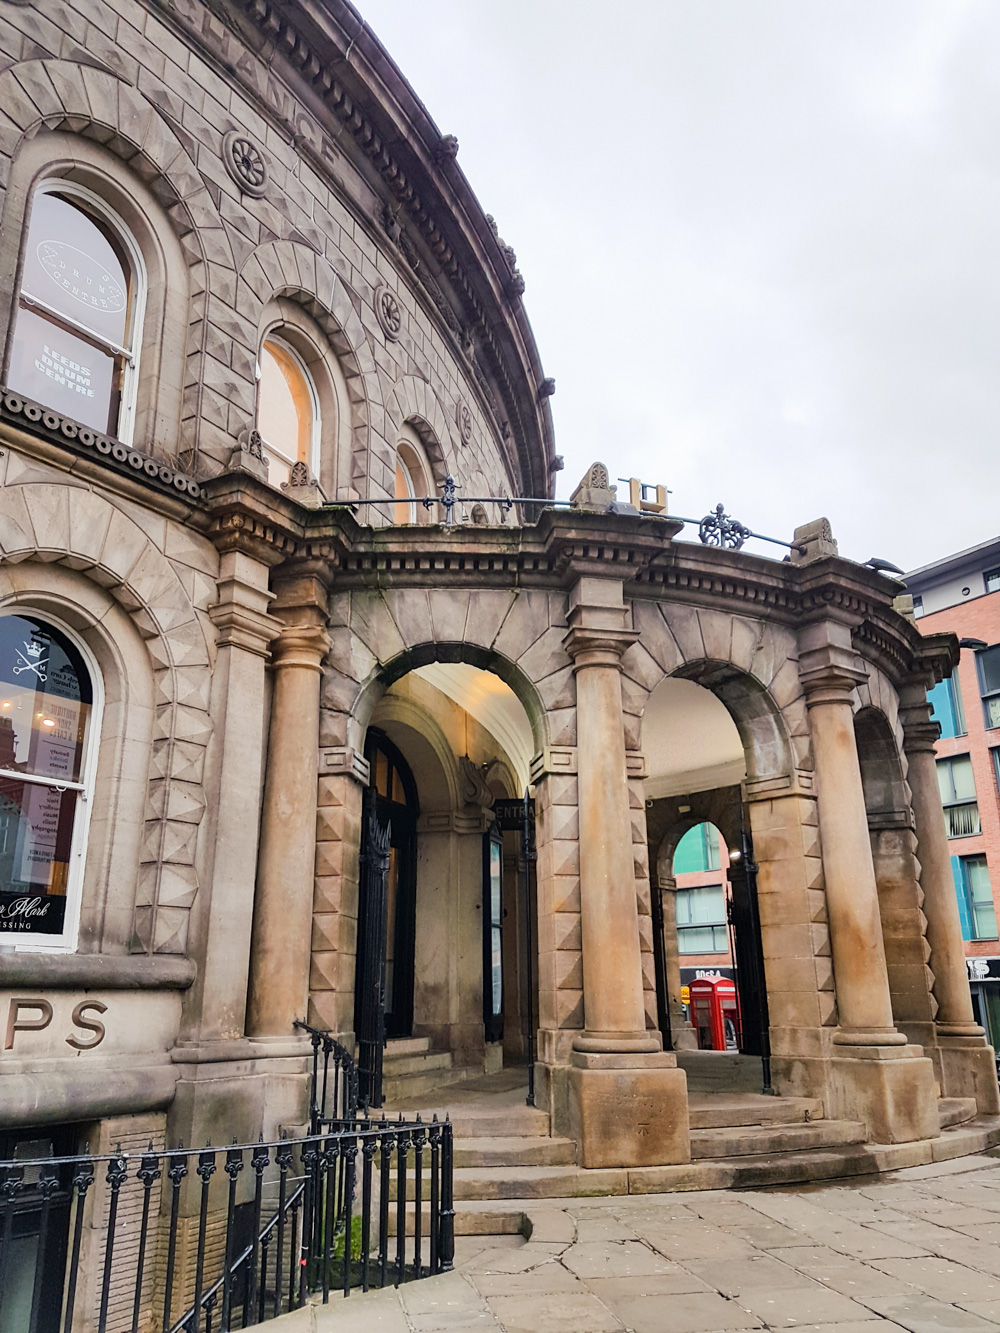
(281, 742)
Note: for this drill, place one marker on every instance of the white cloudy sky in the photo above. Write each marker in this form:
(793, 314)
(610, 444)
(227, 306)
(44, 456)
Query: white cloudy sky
(759, 239)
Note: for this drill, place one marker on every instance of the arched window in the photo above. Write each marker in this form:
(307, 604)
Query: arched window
(48, 719)
(76, 336)
(411, 479)
(288, 416)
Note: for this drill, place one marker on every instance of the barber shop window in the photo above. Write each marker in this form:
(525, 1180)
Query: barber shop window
(47, 725)
(76, 334)
(288, 416)
(958, 796)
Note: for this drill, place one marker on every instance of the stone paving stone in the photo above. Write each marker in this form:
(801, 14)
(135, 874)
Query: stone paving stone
(923, 1314)
(739, 1275)
(944, 1279)
(570, 1314)
(604, 1228)
(447, 1293)
(378, 1311)
(680, 1242)
(841, 1272)
(852, 1326)
(790, 1307)
(613, 1259)
(546, 1278)
(678, 1282)
(698, 1313)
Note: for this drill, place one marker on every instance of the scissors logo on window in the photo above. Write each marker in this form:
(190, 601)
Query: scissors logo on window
(32, 660)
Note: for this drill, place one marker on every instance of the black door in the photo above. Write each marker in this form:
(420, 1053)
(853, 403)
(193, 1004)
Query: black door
(388, 951)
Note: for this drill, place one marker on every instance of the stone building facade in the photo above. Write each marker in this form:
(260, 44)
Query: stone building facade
(252, 314)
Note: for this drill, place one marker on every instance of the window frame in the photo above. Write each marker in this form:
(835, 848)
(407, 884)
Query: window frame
(918, 606)
(957, 705)
(277, 334)
(945, 765)
(68, 939)
(994, 575)
(713, 925)
(985, 694)
(967, 907)
(408, 442)
(130, 351)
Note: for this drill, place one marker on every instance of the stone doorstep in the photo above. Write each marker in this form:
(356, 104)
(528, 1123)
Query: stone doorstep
(716, 1111)
(397, 1065)
(396, 1092)
(500, 1151)
(956, 1110)
(405, 1046)
(762, 1140)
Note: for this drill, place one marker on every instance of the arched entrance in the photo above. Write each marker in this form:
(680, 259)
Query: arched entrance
(443, 913)
(703, 882)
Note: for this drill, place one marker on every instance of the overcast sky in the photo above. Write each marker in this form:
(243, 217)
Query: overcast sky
(759, 239)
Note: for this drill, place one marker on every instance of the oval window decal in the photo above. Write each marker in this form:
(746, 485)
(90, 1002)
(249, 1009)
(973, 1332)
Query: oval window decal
(79, 275)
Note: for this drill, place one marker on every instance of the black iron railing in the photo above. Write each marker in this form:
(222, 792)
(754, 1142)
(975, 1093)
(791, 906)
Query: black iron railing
(188, 1248)
(333, 1087)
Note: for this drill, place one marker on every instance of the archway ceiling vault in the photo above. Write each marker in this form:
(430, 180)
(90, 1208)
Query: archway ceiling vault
(690, 741)
(492, 703)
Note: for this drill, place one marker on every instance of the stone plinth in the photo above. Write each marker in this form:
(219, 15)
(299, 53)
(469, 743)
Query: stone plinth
(629, 1110)
(890, 1088)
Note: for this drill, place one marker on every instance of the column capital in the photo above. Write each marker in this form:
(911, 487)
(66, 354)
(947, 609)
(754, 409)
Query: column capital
(830, 681)
(598, 647)
(829, 667)
(920, 733)
(303, 646)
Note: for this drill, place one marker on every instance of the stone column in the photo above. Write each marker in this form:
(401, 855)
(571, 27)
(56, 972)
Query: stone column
(966, 1064)
(628, 1099)
(222, 912)
(875, 1076)
(283, 904)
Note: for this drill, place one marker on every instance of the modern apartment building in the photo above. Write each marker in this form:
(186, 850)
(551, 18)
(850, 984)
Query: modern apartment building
(961, 594)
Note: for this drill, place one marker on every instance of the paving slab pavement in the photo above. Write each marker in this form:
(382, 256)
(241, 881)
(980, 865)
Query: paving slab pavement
(915, 1251)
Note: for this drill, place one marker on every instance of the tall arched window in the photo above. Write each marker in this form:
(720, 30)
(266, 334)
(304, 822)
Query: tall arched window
(76, 336)
(411, 478)
(48, 720)
(288, 417)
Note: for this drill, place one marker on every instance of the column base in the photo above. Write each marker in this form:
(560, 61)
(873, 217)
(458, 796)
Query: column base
(891, 1089)
(629, 1109)
(969, 1069)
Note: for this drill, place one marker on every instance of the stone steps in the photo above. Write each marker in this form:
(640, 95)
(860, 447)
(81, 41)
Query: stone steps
(477, 1187)
(767, 1140)
(717, 1111)
(514, 1152)
(956, 1110)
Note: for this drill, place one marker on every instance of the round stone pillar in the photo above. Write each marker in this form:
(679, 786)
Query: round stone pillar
(874, 1075)
(614, 1015)
(283, 905)
(628, 1099)
(864, 1007)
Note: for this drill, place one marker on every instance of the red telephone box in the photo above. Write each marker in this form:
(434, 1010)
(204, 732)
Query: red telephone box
(715, 1013)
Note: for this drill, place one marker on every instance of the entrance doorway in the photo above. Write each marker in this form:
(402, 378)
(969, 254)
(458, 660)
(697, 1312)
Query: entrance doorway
(445, 944)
